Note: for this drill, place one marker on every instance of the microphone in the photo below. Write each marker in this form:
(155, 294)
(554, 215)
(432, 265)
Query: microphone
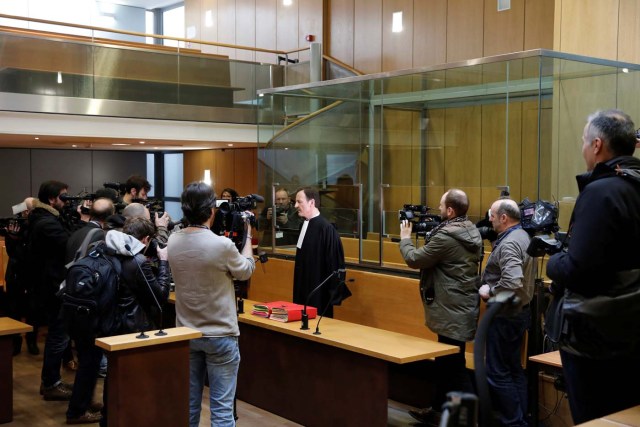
(342, 282)
(160, 332)
(258, 198)
(305, 316)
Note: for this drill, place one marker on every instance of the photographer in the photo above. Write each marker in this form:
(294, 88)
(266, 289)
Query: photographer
(287, 221)
(449, 265)
(204, 266)
(138, 210)
(136, 187)
(601, 367)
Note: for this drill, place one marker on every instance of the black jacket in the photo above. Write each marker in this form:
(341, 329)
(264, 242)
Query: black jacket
(604, 231)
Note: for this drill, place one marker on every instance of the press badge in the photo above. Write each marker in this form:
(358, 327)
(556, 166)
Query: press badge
(279, 234)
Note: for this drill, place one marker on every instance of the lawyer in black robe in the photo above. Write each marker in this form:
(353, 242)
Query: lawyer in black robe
(318, 255)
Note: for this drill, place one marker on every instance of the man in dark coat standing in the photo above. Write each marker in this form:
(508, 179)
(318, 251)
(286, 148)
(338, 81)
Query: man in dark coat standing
(319, 253)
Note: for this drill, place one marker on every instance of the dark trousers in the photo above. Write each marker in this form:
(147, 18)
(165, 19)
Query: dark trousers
(89, 357)
(600, 387)
(451, 373)
(506, 377)
(54, 346)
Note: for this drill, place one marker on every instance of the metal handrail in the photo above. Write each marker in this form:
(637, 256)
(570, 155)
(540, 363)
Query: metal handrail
(157, 36)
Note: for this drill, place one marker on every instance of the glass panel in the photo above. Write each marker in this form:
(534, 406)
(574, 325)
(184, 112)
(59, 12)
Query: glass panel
(173, 175)
(174, 209)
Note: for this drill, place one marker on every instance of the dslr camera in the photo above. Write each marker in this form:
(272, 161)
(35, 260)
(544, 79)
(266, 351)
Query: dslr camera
(230, 217)
(417, 215)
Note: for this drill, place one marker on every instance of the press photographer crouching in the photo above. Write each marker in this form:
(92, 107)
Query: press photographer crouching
(600, 270)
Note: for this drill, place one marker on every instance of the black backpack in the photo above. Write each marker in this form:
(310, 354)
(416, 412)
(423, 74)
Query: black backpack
(90, 292)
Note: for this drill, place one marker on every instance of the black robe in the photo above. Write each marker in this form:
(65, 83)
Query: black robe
(320, 255)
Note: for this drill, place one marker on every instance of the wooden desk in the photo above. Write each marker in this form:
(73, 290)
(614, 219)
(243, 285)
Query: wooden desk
(8, 327)
(550, 360)
(628, 417)
(148, 373)
(340, 377)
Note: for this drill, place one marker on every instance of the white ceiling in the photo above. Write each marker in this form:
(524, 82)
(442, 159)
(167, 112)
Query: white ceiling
(144, 4)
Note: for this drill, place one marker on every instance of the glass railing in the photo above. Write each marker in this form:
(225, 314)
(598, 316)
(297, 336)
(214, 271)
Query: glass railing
(164, 82)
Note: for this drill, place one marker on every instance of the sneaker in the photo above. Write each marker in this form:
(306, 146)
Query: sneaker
(87, 418)
(60, 391)
(426, 416)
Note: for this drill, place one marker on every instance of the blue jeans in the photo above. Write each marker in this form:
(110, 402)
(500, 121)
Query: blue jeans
(54, 345)
(219, 358)
(507, 380)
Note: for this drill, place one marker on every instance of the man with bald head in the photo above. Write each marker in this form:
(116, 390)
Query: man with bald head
(509, 268)
(99, 211)
(449, 265)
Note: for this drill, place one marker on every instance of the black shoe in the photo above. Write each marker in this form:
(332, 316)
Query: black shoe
(59, 391)
(86, 418)
(33, 348)
(426, 416)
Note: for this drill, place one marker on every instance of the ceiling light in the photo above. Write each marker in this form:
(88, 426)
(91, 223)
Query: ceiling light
(207, 176)
(74, 146)
(36, 138)
(141, 142)
(229, 145)
(625, 70)
(120, 144)
(59, 77)
(287, 2)
(396, 24)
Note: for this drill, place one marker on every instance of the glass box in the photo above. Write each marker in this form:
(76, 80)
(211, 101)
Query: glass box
(372, 144)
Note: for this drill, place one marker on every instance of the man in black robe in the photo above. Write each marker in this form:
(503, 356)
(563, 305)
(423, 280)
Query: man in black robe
(319, 253)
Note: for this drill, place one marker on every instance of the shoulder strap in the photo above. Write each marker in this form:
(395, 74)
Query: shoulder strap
(92, 236)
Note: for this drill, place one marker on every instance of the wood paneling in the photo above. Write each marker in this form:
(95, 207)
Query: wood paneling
(245, 28)
(227, 26)
(429, 32)
(629, 31)
(310, 21)
(208, 28)
(503, 31)
(538, 24)
(195, 163)
(367, 40)
(397, 48)
(266, 11)
(287, 26)
(341, 31)
(589, 27)
(235, 168)
(464, 29)
(245, 170)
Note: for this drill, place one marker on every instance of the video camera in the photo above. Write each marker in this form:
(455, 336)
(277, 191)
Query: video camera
(417, 215)
(229, 217)
(9, 221)
(540, 219)
(120, 188)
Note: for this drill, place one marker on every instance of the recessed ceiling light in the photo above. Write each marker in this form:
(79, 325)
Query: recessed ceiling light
(36, 138)
(155, 148)
(286, 148)
(74, 146)
(120, 144)
(229, 145)
(141, 142)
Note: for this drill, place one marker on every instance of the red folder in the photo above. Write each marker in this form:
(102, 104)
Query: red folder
(285, 311)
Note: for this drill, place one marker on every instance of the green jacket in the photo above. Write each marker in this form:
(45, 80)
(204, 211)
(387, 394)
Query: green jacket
(449, 262)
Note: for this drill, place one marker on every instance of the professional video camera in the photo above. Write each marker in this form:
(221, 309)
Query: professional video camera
(422, 221)
(539, 217)
(229, 218)
(120, 188)
(5, 223)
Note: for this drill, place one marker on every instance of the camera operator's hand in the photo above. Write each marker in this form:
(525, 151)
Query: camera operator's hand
(163, 221)
(283, 218)
(405, 229)
(269, 213)
(163, 254)
(13, 228)
(485, 292)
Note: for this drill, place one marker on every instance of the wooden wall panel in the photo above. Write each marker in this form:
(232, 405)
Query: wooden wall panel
(629, 31)
(578, 22)
(287, 26)
(310, 22)
(538, 24)
(266, 11)
(245, 28)
(235, 168)
(195, 162)
(341, 31)
(367, 41)
(245, 171)
(227, 26)
(208, 27)
(397, 47)
(503, 31)
(464, 29)
(429, 32)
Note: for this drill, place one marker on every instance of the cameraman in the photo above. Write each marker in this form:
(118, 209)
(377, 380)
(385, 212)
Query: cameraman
(449, 265)
(204, 266)
(136, 187)
(287, 221)
(603, 247)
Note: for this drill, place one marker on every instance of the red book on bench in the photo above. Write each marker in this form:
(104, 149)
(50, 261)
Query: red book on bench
(283, 311)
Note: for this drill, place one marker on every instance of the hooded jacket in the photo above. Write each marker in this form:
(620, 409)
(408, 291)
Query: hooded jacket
(138, 279)
(449, 263)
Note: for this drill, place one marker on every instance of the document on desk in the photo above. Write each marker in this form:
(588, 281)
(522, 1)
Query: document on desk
(282, 311)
